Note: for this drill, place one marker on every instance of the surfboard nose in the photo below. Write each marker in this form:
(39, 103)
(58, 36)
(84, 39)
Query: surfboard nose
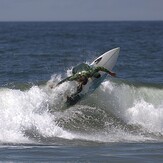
(116, 50)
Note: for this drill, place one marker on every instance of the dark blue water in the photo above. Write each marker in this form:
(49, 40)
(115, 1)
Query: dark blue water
(122, 121)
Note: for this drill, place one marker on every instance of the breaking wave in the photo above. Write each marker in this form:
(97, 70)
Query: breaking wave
(118, 111)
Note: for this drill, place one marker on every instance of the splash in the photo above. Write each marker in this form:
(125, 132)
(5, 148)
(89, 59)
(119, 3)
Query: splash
(116, 112)
(139, 104)
(26, 112)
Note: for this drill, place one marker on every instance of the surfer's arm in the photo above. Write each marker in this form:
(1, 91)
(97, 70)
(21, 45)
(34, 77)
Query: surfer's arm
(74, 77)
(70, 78)
(105, 70)
(112, 73)
(64, 80)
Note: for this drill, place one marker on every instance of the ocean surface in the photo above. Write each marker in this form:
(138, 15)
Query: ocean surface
(122, 121)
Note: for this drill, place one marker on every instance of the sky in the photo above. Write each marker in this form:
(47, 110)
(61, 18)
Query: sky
(80, 10)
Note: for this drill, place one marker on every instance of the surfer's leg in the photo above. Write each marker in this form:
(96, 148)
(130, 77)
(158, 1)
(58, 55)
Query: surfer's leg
(71, 100)
(79, 88)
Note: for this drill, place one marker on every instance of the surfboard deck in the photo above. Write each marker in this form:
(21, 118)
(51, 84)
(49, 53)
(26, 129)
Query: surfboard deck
(106, 60)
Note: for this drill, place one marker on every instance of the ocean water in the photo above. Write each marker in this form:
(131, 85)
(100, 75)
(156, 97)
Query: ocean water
(122, 121)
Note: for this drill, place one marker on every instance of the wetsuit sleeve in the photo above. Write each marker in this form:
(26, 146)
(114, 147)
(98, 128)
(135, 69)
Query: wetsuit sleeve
(74, 77)
(64, 80)
(70, 78)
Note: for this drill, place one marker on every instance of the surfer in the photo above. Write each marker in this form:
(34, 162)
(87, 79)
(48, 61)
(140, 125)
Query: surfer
(82, 76)
(83, 73)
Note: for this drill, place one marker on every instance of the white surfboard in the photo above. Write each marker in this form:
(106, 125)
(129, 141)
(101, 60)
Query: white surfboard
(106, 60)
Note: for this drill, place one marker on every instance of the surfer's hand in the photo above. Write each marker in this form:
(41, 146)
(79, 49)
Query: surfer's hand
(112, 74)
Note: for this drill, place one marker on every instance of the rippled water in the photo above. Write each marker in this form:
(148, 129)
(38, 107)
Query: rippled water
(121, 121)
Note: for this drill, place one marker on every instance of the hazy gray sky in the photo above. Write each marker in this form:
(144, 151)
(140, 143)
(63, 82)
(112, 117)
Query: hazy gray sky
(64, 10)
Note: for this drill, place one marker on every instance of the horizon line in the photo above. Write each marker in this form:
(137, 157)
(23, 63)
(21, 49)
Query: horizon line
(80, 20)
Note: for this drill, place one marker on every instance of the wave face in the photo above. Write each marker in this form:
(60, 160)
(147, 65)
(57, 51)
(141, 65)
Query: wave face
(118, 111)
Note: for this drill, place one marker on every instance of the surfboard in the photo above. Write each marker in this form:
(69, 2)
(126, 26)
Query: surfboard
(106, 60)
